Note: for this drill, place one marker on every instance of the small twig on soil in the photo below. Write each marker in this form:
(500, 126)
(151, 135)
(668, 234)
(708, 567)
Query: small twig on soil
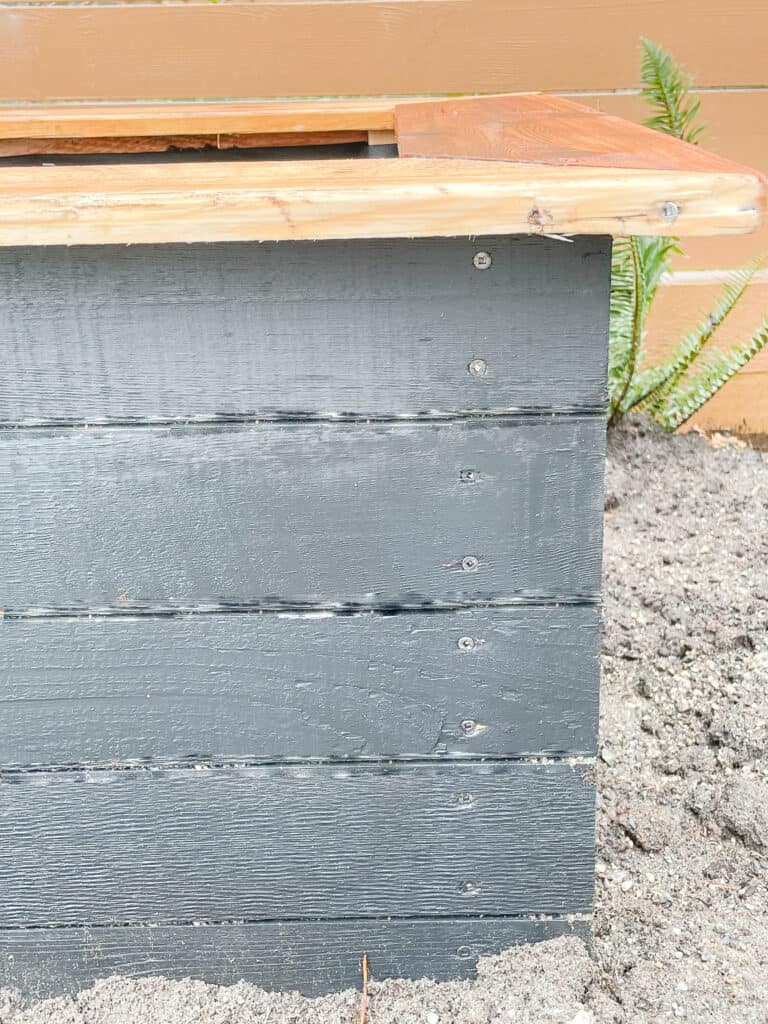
(364, 1001)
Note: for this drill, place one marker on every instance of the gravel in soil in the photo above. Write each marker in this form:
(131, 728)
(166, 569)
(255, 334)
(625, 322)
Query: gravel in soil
(681, 928)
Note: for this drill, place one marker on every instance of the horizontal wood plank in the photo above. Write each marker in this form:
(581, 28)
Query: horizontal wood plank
(368, 327)
(315, 957)
(301, 512)
(173, 51)
(502, 681)
(383, 198)
(303, 842)
(107, 120)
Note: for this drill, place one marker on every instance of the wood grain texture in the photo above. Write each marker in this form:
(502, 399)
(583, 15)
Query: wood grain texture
(270, 686)
(114, 120)
(383, 198)
(317, 512)
(315, 957)
(277, 843)
(368, 327)
(736, 126)
(538, 129)
(174, 51)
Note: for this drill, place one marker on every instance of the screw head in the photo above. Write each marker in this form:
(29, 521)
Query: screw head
(470, 563)
(670, 211)
(478, 367)
(464, 952)
(467, 726)
(468, 476)
(469, 889)
(482, 260)
(466, 643)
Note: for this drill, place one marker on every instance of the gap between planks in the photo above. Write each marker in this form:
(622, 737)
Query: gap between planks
(494, 415)
(292, 609)
(575, 917)
(21, 773)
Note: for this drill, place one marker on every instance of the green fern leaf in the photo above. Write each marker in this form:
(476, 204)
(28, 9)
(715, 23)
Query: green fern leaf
(717, 369)
(692, 344)
(638, 264)
(666, 88)
(642, 385)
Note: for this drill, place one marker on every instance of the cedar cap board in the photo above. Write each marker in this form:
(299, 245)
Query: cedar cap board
(528, 163)
(537, 129)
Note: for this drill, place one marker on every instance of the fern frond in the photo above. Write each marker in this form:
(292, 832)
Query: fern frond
(638, 264)
(642, 385)
(666, 87)
(717, 370)
(692, 344)
(622, 308)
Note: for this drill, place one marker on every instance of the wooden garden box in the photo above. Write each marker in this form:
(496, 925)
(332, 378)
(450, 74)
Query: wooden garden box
(301, 499)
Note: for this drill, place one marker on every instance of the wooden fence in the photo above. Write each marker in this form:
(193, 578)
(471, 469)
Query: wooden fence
(52, 50)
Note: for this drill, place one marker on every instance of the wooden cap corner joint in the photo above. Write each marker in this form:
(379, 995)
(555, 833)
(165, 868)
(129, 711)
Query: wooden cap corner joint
(520, 163)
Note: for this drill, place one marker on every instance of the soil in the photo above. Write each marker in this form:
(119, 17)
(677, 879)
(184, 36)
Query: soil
(681, 925)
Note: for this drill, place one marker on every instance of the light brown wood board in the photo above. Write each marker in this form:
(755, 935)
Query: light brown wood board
(153, 50)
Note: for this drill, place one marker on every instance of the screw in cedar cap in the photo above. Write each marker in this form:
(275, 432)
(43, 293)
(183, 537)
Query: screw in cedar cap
(482, 260)
(670, 211)
(470, 563)
(467, 725)
(466, 643)
(478, 367)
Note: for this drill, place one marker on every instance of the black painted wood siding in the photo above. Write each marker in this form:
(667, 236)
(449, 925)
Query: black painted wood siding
(382, 328)
(314, 956)
(267, 842)
(298, 543)
(301, 513)
(473, 681)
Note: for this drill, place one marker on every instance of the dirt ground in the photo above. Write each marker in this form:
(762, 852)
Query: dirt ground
(681, 927)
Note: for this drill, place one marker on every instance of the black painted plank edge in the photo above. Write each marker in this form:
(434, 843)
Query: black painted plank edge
(315, 957)
(268, 843)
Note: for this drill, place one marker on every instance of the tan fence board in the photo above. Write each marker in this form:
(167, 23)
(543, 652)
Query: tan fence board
(247, 50)
(678, 308)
